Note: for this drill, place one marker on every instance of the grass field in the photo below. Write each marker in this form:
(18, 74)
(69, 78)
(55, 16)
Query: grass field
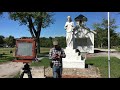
(7, 51)
(102, 64)
(5, 54)
(43, 52)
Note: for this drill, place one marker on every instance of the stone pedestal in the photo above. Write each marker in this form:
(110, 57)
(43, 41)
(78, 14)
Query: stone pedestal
(73, 59)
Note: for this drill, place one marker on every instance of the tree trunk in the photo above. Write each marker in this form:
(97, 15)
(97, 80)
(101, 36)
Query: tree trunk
(38, 45)
(98, 46)
(38, 36)
(101, 45)
(31, 26)
(38, 40)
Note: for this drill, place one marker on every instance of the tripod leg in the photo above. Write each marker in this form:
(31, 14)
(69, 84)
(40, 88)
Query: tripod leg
(29, 74)
(21, 76)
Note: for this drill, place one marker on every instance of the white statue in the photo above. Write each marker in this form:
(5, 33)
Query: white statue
(69, 27)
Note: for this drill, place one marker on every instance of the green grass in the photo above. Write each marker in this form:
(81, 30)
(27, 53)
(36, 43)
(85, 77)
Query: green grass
(6, 50)
(118, 49)
(6, 59)
(44, 62)
(44, 50)
(6, 55)
(102, 64)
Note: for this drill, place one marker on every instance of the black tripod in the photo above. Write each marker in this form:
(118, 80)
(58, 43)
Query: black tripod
(26, 70)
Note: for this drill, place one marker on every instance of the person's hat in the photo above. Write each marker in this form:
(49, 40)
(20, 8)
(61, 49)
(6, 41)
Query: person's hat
(55, 42)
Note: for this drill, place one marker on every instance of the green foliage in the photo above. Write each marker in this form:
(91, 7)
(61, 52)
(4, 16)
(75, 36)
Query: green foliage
(5, 54)
(102, 64)
(10, 41)
(101, 38)
(48, 42)
(62, 41)
(23, 18)
(1, 40)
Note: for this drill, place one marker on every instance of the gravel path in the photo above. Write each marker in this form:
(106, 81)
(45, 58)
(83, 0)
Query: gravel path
(90, 72)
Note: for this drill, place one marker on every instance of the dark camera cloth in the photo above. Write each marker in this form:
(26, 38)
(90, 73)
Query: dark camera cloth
(56, 55)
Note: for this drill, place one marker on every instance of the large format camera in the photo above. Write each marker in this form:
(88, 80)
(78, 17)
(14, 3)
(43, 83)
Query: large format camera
(25, 52)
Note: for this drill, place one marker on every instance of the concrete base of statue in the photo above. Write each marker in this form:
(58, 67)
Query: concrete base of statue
(73, 59)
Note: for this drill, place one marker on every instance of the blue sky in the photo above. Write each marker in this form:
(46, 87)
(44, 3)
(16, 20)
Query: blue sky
(9, 27)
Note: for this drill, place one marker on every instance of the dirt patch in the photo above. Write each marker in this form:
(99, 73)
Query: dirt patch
(90, 72)
(74, 76)
(9, 69)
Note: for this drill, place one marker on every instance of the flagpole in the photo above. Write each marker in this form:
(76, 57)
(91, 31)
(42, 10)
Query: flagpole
(108, 47)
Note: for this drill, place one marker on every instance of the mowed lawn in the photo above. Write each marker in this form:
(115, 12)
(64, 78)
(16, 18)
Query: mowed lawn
(6, 54)
(102, 64)
(44, 50)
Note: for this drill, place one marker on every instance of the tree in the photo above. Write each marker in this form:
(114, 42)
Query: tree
(62, 41)
(102, 32)
(48, 42)
(10, 41)
(35, 21)
(1, 40)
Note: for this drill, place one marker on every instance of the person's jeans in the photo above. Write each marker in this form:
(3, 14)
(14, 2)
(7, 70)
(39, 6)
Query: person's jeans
(57, 71)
